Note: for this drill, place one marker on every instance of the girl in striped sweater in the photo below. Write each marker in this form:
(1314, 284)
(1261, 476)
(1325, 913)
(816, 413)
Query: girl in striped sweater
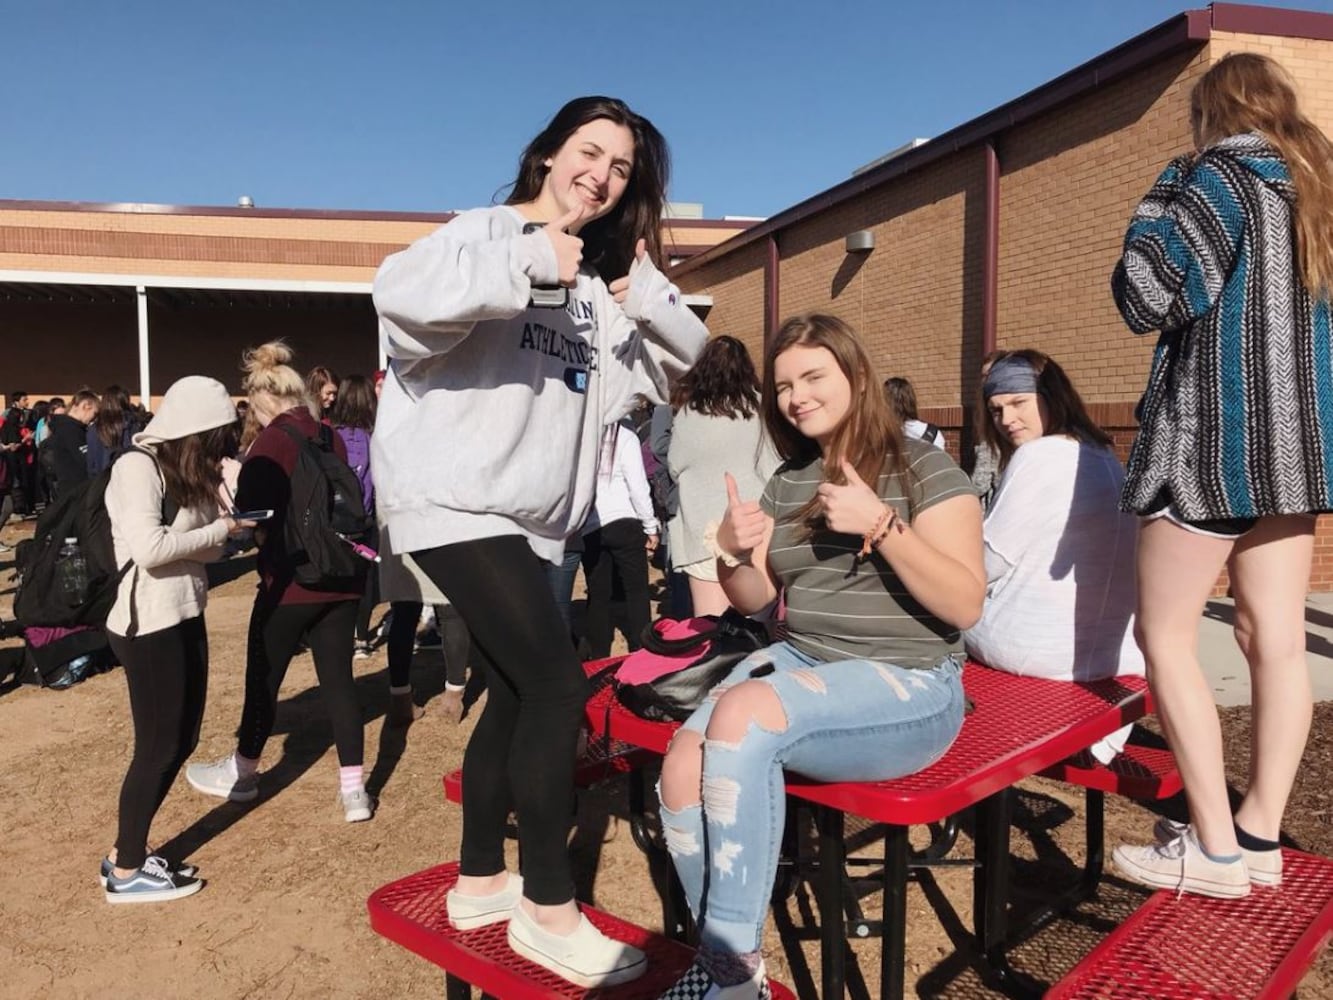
(1230, 256)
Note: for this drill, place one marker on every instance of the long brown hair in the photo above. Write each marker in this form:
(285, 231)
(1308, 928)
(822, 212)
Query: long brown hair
(722, 383)
(608, 242)
(191, 466)
(355, 405)
(1065, 410)
(870, 438)
(1248, 92)
(114, 414)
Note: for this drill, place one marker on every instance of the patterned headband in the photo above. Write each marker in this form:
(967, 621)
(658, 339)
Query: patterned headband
(1009, 374)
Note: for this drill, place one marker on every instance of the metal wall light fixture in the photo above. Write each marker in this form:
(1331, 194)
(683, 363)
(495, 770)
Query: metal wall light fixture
(861, 241)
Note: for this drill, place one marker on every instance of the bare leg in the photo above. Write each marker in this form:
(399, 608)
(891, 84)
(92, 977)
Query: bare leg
(1176, 573)
(1270, 572)
(708, 598)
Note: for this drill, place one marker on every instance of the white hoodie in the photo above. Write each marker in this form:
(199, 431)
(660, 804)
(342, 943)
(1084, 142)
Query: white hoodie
(491, 417)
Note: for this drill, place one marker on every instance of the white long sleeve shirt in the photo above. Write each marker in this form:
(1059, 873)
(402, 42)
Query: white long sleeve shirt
(622, 487)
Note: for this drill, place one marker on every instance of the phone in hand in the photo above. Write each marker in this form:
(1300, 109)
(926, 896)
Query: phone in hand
(252, 515)
(545, 296)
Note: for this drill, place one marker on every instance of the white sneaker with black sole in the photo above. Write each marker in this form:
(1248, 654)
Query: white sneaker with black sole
(153, 883)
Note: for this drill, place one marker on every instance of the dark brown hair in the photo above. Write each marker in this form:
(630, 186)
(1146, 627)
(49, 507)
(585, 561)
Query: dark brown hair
(870, 438)
(114, 414)
(1065, 410)
(355, 405)
(722, 383)
(190, 465)
(608, 242)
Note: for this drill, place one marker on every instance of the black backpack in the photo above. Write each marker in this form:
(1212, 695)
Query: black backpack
(81, 514)
(326, 503)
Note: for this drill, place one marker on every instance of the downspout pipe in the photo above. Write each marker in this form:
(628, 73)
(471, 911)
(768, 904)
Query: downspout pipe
(990, 252)
(772, 263)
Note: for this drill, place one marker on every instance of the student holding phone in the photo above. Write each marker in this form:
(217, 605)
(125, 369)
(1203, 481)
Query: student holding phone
(285, 612)
(485, 450)
(163, 504)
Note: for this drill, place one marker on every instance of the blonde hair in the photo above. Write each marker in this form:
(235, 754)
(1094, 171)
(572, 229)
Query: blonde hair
(267, 372)
(1248, 92)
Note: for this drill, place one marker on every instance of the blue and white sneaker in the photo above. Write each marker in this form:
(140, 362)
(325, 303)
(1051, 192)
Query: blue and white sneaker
(188, 871)
(153, 883)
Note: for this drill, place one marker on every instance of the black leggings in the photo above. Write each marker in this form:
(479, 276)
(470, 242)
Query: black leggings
(167, 674)
(619, 544)
(402, 638)
(275, 632)
(522, 750)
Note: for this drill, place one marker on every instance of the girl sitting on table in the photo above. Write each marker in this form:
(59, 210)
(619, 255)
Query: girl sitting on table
(1060, 587)
(876, 541)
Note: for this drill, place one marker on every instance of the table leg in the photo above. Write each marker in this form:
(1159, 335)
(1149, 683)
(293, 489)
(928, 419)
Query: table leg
(990, 894)
(832, 932)
(893, 927)
(455, 988)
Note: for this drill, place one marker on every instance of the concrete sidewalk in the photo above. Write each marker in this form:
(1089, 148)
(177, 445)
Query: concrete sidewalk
(1226, 669)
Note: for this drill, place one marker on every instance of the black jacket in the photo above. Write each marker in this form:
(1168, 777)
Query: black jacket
(64, 453)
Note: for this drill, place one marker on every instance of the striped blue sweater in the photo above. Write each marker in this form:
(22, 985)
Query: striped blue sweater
(1237, 418)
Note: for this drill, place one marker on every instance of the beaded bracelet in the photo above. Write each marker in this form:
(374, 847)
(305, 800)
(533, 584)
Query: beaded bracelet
(871, 539)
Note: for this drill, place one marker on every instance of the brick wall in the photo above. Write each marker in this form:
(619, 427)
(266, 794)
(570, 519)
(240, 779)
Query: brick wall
(1069, 180)
(736, 283)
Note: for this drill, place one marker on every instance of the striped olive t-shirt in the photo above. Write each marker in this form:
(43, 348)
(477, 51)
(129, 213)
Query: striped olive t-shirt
(842, 608)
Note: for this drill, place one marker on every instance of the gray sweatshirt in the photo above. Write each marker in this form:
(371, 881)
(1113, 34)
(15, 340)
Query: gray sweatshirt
(491, 417)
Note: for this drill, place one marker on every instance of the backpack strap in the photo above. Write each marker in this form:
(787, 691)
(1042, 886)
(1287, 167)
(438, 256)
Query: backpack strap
(930, 434)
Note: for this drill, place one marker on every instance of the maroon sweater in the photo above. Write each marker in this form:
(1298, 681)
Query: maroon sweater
(265, 483)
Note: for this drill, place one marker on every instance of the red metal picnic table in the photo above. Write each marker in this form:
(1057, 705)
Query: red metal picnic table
(1019, 726)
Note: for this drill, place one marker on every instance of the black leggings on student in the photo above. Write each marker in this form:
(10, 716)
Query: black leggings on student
(167, 674)
(522, 751)
(618, 545)
(275, 633)
(454, 641)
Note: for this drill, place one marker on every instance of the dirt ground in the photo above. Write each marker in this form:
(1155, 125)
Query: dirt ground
(283, 914)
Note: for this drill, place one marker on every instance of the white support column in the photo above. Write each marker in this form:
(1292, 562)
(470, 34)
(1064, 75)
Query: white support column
(145, 391)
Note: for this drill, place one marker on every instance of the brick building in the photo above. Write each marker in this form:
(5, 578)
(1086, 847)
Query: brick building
(1003, 231)
(140, 295)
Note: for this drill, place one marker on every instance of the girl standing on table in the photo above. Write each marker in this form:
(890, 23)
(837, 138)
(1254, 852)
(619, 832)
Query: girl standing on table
(876, 541)
(163, 504)
(1230, 256)
(510, 355)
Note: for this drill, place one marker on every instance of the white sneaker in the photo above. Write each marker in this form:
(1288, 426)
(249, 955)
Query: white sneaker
(358, 806)
(1181, 865)
(221, 779)
(587, 957)
(467, 913)
(1265, 867)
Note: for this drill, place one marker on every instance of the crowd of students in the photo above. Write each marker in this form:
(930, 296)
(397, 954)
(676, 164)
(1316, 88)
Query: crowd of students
(494, 455)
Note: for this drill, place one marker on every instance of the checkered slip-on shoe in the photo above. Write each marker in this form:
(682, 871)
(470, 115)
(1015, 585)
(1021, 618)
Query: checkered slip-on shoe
(697, 984)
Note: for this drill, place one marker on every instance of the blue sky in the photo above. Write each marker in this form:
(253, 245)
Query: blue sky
(424, 106)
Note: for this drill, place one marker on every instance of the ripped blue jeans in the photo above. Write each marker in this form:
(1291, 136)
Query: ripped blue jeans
(852, 720)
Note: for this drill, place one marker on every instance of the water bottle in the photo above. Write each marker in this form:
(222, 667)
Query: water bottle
(72, 572)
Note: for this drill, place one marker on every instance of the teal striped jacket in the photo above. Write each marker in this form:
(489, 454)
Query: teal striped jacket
(1237, 417)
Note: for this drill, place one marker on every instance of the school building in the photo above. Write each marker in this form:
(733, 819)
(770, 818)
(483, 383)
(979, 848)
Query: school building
(139, 295)
(1003, 232)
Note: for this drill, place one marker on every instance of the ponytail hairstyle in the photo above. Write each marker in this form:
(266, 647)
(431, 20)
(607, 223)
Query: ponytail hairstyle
(1248, 92)
(871, 436)
(608, 242)
(270, 379)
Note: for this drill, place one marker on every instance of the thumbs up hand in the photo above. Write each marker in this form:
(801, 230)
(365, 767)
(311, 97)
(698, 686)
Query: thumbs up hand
(745, 525)
(568, 248)
(619, 288)
(853, 509)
